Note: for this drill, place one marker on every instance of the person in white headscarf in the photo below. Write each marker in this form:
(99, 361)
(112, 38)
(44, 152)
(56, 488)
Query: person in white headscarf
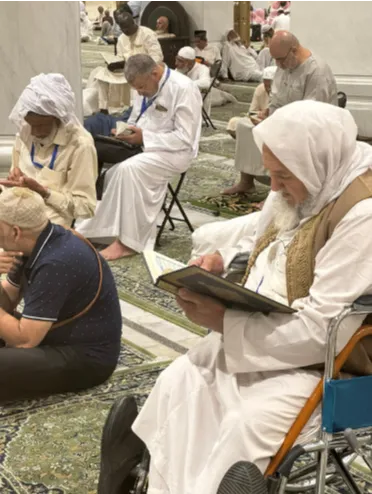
(53, 154)
(239, 61)
(235, 395)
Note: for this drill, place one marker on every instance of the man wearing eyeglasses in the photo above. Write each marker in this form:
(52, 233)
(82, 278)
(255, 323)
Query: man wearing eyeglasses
(301, 75)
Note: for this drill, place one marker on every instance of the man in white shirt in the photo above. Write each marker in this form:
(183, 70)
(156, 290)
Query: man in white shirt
(166, 123)
(301, 75)
(134, 40)
(234, 396)
(209, 53)
(53, 154)
(282, 22)
(238, 60)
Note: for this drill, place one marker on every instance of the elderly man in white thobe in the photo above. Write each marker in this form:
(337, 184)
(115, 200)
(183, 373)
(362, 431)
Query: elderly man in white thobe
(239, 61)
(301, 75)
(134, 40)
(235, 395)
(53, 154)
(197, 72)
(166, 122)
(259, 104)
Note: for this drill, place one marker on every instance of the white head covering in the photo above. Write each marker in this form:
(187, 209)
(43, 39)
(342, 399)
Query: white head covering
(317, 143)
(47, 94)
(187, 52)
(22, 207)
(269, 72)
(265, 28)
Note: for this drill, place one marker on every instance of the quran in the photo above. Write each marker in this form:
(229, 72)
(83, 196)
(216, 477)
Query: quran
(171, 275)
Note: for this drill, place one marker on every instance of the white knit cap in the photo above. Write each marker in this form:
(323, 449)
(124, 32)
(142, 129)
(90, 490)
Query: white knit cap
(22, 207)
(269, 72)
(187, 52)
(265, 28)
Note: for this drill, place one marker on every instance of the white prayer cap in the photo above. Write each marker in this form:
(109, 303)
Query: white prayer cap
(265, 28)
(187, 52)
(22, 207)
(269, 72)
(47, 94)
(317, 143)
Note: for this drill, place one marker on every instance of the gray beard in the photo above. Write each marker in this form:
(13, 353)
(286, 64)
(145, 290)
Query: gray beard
(287, 217)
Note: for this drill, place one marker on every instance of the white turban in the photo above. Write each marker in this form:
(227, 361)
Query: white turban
(269, 72)
(265, 28)
(317, 143)
(187, 52)
(47, 94)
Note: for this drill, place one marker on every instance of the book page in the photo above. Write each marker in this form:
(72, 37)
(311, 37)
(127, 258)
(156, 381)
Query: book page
(158, 264)
(110, 57)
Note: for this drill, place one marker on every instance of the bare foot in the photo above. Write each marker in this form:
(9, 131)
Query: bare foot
(240, 188)
(117, 250)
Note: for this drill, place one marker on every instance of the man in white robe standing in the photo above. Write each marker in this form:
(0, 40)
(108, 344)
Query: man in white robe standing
(234, 396)
(301, 75)
(166, 123)
(134, 40)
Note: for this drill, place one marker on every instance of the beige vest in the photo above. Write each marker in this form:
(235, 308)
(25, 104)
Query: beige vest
(302, 252)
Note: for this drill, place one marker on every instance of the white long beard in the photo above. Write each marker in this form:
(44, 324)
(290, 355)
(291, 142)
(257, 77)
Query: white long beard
(287, 217)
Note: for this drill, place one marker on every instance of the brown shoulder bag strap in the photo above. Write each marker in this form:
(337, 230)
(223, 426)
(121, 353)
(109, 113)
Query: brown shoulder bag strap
(95, 298)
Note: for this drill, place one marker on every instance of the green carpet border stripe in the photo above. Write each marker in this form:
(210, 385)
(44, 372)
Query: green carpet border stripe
(138, 348)
(173, 318)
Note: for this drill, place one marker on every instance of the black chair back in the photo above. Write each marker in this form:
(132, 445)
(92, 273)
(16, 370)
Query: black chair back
(214, 71)
(341, 99)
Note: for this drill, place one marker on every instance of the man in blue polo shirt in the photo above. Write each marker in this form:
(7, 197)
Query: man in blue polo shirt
(68, 335)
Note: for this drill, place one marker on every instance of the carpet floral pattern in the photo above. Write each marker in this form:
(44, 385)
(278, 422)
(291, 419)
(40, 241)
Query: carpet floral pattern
(52, 445)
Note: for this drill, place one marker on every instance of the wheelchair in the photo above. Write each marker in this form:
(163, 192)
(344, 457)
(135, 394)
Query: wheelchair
(346, 431)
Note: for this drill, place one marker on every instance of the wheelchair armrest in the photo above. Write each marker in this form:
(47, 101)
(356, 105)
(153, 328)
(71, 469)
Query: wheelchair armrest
(363, 304)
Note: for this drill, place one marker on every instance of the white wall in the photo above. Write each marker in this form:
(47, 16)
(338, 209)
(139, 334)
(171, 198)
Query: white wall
(342, 36)
(37, 37)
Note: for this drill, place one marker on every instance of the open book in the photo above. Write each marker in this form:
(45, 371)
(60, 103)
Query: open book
(110, 57)
(171, 275)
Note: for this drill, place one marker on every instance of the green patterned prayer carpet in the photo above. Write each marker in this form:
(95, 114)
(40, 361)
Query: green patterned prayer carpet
(233, 205)
(52, 445)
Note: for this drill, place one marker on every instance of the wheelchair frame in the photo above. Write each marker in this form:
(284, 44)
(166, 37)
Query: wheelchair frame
(278, 473)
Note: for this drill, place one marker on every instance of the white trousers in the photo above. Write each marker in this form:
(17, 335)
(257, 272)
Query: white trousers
(199, 420)
(248, 158)
(133, 196)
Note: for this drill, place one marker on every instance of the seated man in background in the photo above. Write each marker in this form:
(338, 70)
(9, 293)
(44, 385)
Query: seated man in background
(246, 152)
(238, 60)
(68, 335)
(134, 40)
(197, 72)
(162, 28)
(301, 75)
(208, 53)
(97, 23)
(165, 125)
(264, 58)
(282, 21)
(107, 25)
(234, 396)
(53, 154)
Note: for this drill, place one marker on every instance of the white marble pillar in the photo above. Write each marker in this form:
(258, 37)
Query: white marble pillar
(36, 37)
(340, 33)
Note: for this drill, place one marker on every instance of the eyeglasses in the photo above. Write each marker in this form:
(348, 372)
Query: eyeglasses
(283, 59)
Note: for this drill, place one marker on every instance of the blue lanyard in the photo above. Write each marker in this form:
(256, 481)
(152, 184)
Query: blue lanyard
(52, 161)
(146, 104)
